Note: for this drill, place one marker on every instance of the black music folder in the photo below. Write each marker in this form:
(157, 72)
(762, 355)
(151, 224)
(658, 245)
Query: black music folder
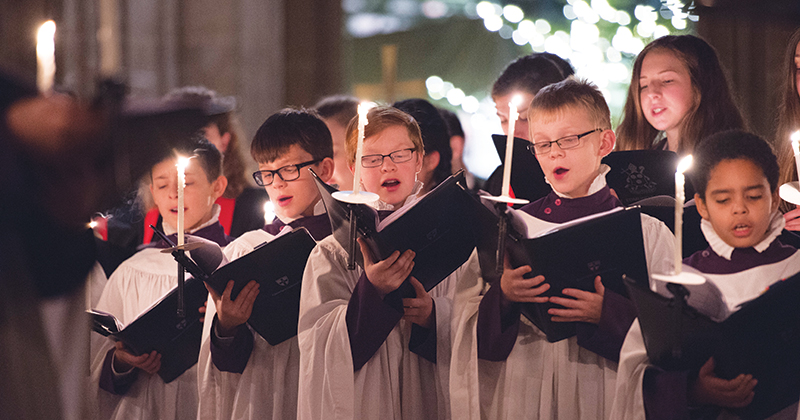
(762, 339)
(607, 244)
(527, 178)
(639, 174)
(159, 328)
(278, 268)
(436, 227)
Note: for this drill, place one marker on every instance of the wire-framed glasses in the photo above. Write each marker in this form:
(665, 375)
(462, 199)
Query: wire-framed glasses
(398, 156)
(287, 173)
(565, 143)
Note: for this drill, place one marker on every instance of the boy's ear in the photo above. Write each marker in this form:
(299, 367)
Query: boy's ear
(431, 160)
(325, 169)
(420, 160)
(701, 206)
(776, 200)
(219, 186)
(607, 141)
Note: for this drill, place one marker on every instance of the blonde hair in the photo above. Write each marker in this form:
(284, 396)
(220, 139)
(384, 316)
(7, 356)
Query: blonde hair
(379, 119)
(571, 92)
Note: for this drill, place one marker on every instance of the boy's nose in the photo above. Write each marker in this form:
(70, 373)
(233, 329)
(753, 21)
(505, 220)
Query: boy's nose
(388, 165)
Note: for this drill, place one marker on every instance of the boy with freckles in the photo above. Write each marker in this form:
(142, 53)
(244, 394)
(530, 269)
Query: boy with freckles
(503, 366)
(366, 351)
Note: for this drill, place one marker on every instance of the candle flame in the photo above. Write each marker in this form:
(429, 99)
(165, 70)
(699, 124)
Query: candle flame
(795, 137)
(92, 224)
(269, 212)
(516, 101)
(46, 35)
(183, 162)
(684, 164)
(363, 108)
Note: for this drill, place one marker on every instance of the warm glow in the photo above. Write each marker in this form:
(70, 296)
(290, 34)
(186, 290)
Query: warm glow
(45, 56)
(183, 162)
(516, 101)
(795, 138)
(684, 164)
(92, 224)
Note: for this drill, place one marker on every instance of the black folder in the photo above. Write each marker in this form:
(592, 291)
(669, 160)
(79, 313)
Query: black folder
(278, 268)
(437, 228)
(761, 339)
(639, 174)
(160, 329)
(609, 245)
(527, 178)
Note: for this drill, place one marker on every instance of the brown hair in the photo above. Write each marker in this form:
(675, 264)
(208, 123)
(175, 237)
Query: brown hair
(572, 93)
(788, 115)
(233, 163)
(715, 110)
(379, 119)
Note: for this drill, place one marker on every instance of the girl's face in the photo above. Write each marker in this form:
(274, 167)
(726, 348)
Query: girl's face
(666, 92)
(738, 202)
(393, 182)
(797, 68)
(199, 194)
(521, 126)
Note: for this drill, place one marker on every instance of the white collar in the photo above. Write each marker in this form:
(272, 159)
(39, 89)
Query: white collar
(319, 208)
(724, 250)
(597, 185)
(169, 229)
(381, 205)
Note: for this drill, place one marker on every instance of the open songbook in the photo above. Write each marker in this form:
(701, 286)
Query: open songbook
(568, 255)
(160, 328)
(761, 338)
(278, 268)
(436, 226)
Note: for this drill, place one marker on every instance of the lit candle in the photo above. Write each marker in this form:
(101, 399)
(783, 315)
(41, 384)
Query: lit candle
(512, 122)
(269, 212)
(795, 138)
(183, 162)
(46, 56)
(680, 197)
(363, 108)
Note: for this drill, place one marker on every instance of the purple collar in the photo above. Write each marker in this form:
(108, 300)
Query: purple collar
(318, 226)
(707, 261)
(213, 232)
(555, 209)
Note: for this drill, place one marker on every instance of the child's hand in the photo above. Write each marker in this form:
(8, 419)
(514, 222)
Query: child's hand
(389, 274)
(519, 289)
(124, 360)
(232, 313)
(585, 307)
(419, 310)
(793, 219)
(709, 389)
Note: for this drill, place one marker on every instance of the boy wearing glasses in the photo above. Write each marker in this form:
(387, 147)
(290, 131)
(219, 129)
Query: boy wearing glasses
(241, 375)
(515, 372)
(366, 351)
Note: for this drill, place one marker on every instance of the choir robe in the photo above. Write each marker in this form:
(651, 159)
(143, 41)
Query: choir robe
(394, 369)
(741, 274)
(133, 287)
(503, 366)
(245, 377)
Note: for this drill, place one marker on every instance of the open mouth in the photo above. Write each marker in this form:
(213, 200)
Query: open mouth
(390, 183)
(741, 229)
(657, 111)
(560, 171)
(284, 200)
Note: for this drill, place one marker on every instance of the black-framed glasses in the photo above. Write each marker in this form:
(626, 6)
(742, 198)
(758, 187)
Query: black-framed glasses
(398, 156)
(287, 173)
(565, 143)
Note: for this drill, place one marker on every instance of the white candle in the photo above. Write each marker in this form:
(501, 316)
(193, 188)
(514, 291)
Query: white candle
(269, 212)
(680, 197)
(363, 108)
(46, 56)
(183, 162)
(512, 122)
(795, 138)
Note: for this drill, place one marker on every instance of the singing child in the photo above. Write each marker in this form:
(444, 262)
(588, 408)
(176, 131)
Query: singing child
(242, 376)
(366, 352)
(503, 366)
(735, 175)
(129, 384)
(678, 95)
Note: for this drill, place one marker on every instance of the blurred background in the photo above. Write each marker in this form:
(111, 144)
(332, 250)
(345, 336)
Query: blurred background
(272, 53)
